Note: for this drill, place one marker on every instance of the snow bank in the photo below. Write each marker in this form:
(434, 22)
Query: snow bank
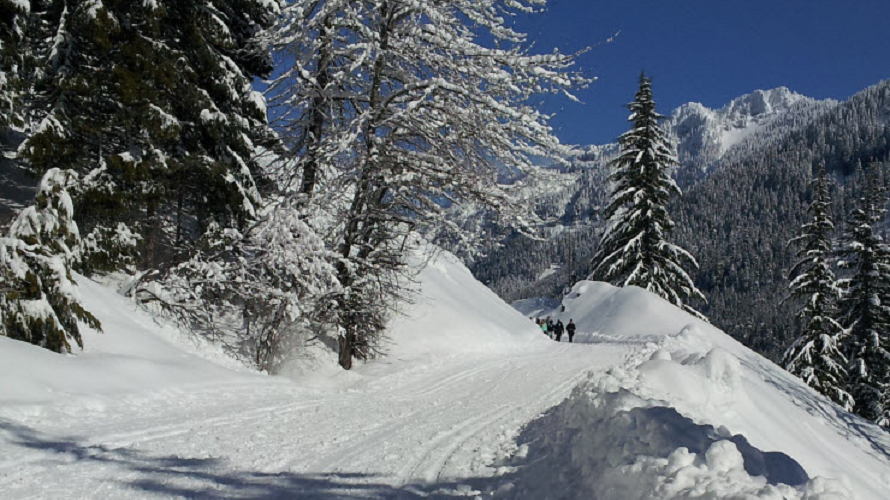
(693, 414)
(136, 354)
(454, 314)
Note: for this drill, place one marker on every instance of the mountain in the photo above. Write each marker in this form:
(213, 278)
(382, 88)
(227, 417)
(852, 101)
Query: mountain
(744, 169)
(703, 136)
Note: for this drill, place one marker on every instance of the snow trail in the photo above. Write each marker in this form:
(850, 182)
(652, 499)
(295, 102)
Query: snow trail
(409, 433)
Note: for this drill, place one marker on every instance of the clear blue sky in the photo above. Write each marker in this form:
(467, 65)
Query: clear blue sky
(709, 51)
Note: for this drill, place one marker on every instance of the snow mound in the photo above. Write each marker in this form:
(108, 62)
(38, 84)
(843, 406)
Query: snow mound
(455, 314)
(625, 313)
(136, 354)
(693, 415)
(615, 445)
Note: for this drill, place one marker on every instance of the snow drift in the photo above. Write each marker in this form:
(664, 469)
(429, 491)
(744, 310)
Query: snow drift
(455, 314)
(451, 314)
(137, 353)
(694, 415)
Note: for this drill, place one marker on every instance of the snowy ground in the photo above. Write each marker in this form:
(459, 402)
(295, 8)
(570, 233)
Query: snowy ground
(470, 402)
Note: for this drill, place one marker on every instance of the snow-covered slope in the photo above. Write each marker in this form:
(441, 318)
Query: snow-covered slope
(695, 413)
(144, 412)
(454, 314)
(667, 407)
(136, 354)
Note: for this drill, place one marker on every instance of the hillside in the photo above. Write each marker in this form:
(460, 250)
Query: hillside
(470, 401)
(671, 412)
(745, 168)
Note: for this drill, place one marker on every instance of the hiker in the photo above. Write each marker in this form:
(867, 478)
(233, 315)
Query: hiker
(543, 325)
(558, 329)
(570, 329)
(550, 326)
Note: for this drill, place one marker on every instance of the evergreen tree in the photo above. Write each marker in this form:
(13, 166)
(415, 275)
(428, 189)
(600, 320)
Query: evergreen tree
(816, 356)
(634, 249)
(151, 104)
(39, 302)
(13, 18)
(865, 305)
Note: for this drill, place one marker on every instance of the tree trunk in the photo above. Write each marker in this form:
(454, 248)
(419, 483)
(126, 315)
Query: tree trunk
(346, 343)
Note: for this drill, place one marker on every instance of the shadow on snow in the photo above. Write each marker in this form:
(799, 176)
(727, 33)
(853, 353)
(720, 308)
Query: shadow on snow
(206, 478)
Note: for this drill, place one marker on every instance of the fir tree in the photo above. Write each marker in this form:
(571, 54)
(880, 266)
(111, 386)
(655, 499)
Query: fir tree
(39, 302)
(151, 104)
(816, 356)
(865, 305)
(634, 249)
(13, 18)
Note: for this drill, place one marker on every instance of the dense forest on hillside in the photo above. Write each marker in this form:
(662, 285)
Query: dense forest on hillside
(736, 218)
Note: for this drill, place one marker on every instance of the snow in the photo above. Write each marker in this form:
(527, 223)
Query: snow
(550, 271)
(688, 378)
(455, 314)
(24, 5)
(470, 401)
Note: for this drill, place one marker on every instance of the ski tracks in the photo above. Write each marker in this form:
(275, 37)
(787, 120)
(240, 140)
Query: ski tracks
(414, 428)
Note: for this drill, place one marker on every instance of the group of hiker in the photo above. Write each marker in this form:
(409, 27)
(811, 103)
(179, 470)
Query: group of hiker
(555, 330)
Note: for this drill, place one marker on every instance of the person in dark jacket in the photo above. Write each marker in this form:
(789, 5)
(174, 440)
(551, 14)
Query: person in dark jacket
(558, 328)
(570, 329)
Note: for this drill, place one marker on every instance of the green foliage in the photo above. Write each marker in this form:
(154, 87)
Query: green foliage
(634, 249)
(865, 305)
(153, 108)
(816, 356)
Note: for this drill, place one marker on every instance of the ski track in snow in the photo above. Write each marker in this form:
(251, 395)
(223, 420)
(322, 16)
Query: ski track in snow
(412, 433)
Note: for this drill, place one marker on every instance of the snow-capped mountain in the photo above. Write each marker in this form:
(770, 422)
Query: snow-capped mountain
(744, 172)
(704, 135)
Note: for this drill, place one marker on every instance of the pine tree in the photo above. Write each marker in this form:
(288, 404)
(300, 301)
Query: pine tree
(816, 356)
(151, 104)
(13, 18)
(39, 302)
(865, 305)
(634, 249)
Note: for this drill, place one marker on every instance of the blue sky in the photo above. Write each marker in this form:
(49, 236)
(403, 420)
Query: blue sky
(709, 51)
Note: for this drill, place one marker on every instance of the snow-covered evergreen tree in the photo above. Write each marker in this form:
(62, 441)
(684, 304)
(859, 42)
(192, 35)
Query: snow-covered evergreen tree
(13, 18)
(816, 356)
(151, 103)
(634, 249)
(865, 305)
(39, 302)
(425, 110)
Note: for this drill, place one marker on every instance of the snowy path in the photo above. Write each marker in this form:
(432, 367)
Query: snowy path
(409, 431)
